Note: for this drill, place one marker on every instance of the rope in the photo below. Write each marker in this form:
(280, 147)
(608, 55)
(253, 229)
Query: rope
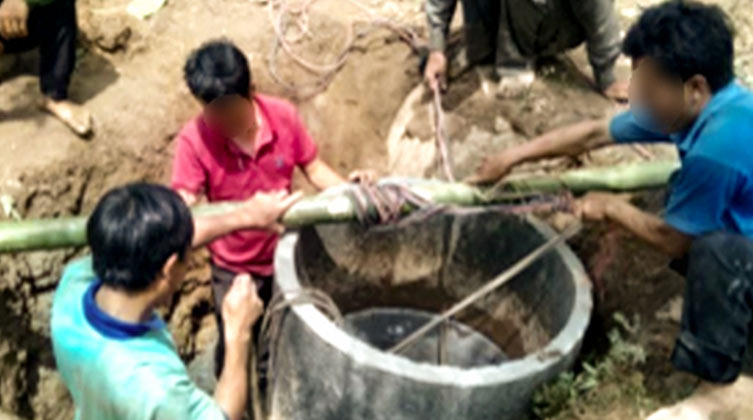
(385, 203)
(270, 333)
(440, 135)
(284, 16)
(378, 204)
(255, 407)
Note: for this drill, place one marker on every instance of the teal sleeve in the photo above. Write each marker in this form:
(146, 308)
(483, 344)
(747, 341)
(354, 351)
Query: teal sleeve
(182, 399)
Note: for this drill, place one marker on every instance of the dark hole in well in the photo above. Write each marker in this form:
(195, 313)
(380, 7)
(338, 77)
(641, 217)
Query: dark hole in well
(462, 346)
(431, 265)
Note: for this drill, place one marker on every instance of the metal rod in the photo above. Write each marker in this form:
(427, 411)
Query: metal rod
(495, 283)
(442, 343)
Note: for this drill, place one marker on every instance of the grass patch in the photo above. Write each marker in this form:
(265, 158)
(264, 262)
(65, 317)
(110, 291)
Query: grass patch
(600, 381)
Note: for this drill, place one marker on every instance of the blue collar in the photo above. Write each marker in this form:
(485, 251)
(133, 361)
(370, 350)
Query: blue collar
(685, 140)
(112, 327)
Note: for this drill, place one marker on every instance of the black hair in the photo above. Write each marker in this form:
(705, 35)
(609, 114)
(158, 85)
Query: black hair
(685, 38)
(216, 69)
(134, 230)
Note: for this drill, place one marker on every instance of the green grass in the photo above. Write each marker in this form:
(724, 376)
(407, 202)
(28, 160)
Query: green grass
(601, 379)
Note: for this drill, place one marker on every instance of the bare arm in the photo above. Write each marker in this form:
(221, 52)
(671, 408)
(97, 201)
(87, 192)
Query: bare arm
(650, 228)
(261, 211)
(232, 387)
(209, 228)
(571, 140)
(240, 309)
(321, 176)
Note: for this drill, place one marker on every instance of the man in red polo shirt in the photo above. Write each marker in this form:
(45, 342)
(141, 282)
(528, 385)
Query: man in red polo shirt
(242, 143)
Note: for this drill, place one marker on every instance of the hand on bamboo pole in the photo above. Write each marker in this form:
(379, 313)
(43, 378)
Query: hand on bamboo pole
(492, 169)
(264, 210)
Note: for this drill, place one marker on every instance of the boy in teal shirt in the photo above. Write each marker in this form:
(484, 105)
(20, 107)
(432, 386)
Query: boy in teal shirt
(113, 351)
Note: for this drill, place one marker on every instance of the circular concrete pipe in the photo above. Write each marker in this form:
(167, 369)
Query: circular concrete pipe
(387, 281)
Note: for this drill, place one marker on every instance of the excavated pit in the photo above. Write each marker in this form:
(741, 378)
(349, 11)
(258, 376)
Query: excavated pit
(388, 281)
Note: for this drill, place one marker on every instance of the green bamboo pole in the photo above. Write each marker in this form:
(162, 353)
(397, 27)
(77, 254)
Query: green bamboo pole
(627, 177)
(335, 206)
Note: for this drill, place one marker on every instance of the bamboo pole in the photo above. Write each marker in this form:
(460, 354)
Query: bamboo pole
(335, 205)
(617, 178)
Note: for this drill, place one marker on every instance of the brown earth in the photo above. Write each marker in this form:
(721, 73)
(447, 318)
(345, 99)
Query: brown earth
(129, 76)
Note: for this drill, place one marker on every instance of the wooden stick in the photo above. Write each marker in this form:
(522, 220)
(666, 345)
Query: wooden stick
(254, 405)
(489, 287)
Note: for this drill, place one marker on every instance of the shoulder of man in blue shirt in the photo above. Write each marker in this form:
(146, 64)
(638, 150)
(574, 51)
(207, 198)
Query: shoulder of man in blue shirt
(727, 133)
(713, 190)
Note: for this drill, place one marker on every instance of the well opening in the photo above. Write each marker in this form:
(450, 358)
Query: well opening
(390, 280)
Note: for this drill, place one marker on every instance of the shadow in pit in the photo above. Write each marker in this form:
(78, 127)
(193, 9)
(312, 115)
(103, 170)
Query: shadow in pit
(16, 330)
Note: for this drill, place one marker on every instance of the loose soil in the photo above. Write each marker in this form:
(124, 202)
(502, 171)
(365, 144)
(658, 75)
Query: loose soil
(129, 76)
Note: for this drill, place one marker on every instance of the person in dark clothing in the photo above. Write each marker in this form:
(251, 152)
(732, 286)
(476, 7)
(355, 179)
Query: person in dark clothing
(683, 91)
(511, 33)
(49, 25)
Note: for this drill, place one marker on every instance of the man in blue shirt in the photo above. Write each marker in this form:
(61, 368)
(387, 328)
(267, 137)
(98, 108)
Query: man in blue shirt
(113, 351)
(683, 91)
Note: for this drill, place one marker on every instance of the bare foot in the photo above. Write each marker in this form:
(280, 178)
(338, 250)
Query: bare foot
(712, 402)
(76, 117)
(515, 83)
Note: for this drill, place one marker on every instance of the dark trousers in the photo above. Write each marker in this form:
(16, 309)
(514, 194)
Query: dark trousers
(53, 29)
(222, 280)
(480, 24)
(718, 307)
(516, 31)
